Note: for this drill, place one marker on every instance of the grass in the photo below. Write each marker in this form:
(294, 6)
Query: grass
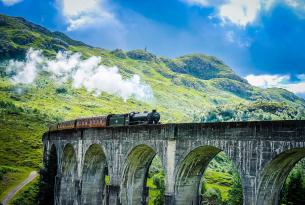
(28, 195)
(219, 180)
(11, 178)
(20, 137)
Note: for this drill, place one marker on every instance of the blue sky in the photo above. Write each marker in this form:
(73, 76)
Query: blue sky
(262, 40)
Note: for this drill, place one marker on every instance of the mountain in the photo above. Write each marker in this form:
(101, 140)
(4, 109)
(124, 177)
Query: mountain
(182, 87)
(193, 87)
(18, 34)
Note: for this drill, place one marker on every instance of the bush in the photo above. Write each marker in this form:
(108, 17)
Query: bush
(294, 187)
(211, 197)
(236, 193)
(6, 169)
(159, 181)
(61, 90)
(28, 195)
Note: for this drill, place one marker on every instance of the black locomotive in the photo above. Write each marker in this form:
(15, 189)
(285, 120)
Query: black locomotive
(134, 118)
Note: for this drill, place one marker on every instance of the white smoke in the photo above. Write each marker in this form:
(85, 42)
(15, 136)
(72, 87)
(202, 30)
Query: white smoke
(63, 65)
(86, 73)
(26, 72)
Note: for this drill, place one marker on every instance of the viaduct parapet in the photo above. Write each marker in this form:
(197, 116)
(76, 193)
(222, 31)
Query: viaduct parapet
(263, 153)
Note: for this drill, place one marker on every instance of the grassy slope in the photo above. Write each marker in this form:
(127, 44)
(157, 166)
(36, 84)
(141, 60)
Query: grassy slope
(11, 177)
(179, 92)
(28, 195)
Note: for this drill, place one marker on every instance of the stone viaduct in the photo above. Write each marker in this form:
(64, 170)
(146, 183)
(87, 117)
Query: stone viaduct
(263, 153)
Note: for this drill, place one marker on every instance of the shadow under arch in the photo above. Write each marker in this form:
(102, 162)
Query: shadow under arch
(133, 185)
(190, 172)
(46, 154)
(48, 175)
(93, 176)
(68, 187)
(274, 175)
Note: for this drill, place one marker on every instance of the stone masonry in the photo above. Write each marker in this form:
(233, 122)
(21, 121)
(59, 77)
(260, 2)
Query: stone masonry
(263, 153)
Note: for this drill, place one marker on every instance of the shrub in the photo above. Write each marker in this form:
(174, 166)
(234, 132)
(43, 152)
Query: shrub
(61, 90)
(211, 197)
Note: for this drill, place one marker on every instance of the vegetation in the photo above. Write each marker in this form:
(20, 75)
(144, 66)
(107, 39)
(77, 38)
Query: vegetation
(221, 183)
(202, 66)
(235, 193)
(156, 182)
(294, 187)
(190, 88)
(28, 195)
(252, 112)
(10, 177)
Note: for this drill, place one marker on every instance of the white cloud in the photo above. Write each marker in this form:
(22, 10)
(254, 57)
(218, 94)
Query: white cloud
(292, 3)
(240, 12)
(301, 77)
(280, 81)
(203, 3)
(84, 13)
(86, 73)
(10, 2)
(77, 7)
(244, 12)
(230, 37)
(297, 6)
(266, 81)
(297, 88)
(267, 4)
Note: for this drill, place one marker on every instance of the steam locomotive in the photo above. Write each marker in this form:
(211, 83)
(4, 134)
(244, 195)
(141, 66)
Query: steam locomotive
(112, 120)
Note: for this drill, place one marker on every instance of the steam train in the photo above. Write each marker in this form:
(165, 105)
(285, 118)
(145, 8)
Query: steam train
(112, 120)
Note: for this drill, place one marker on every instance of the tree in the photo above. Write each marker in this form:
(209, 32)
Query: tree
(236, 192)
(158, 180)
(294, 189)
(211, 197)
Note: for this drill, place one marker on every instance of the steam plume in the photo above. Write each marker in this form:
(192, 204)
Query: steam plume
(86, 73)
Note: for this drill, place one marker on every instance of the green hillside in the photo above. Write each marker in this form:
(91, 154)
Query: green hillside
(183, 88)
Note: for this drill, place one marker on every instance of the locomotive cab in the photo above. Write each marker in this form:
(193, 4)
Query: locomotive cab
(118, 120)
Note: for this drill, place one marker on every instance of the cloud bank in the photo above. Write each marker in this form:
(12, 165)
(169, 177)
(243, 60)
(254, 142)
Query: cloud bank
(244, 12)
(10, 2)
(86, 13)
(280, 81)
(86, 73)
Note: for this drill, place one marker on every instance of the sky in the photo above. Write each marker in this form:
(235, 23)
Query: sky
(261, 40)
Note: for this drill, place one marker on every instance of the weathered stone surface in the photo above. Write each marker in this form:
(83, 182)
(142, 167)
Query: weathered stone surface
(263, 153)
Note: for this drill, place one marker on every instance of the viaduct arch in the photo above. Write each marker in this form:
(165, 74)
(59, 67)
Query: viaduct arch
(263, 153)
